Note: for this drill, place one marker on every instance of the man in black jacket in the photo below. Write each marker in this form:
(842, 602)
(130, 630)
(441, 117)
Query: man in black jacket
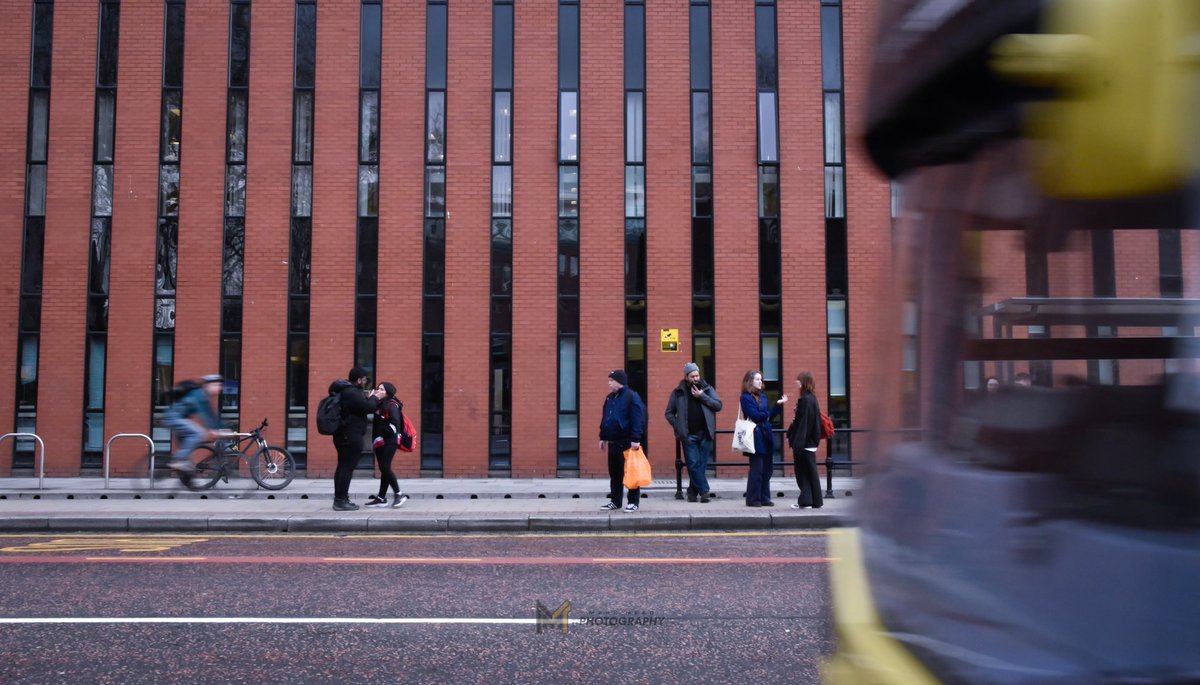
(622, 426)
(691, 411)
(348, 440)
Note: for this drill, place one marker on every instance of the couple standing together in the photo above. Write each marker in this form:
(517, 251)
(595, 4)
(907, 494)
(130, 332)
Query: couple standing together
(691, 411)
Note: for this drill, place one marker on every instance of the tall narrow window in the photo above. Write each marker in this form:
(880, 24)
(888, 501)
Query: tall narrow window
(300, 233)
(167, 242)
(232, 268)
(500, 380)
(770, 292)
(568, 235)
(433, 287)
(367, 252)
(100, 231)
(33, 241)
(703, 332)
(635, 195)
(837, 279)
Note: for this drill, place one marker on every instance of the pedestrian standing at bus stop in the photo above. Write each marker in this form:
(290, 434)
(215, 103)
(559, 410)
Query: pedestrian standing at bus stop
(804, 435)
(691, 411)
(622, 426)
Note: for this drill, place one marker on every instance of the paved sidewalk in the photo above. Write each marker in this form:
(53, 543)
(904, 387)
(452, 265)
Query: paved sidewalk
(436, 505)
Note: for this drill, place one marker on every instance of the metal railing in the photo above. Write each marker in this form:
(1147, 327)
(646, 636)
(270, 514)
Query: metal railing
(41, 452)
(830, 464)
(108, 443)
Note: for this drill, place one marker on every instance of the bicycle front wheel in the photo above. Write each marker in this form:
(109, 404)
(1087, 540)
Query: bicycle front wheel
(273, 468)
(208, 469)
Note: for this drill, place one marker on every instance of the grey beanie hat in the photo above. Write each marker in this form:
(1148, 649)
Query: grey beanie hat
(690, 367)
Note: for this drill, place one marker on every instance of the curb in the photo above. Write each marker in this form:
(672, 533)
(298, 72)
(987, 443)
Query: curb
(420, 524)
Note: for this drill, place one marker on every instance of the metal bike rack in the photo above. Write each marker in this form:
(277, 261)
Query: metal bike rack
(128, 435)
(41, 453)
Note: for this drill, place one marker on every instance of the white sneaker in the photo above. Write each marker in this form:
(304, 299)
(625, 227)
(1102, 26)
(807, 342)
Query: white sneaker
(629, 508)
(399, 500)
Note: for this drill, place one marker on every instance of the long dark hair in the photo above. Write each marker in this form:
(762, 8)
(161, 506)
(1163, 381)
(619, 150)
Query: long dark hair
(748, 382)
(389, 389)
(806, 381)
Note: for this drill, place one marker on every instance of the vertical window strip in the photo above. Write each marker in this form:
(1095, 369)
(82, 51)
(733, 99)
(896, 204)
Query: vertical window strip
(635, 196)
(433, 287)
(770, 285)
(568, 236)
(100, 231)
(33, 240)
(167, 241)
(300, 231)
(500, 266)
(233, 254)
(703, 258)
(367, 243)
(836, 254)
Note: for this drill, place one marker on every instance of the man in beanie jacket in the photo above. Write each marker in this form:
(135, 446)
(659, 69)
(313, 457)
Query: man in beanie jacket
(691, 410)
(622, 427)
(348, 440)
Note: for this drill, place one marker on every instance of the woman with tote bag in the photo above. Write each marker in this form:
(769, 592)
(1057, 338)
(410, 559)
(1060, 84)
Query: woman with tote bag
(757, 408)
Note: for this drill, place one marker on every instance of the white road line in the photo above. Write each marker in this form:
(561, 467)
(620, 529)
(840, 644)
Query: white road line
(260, 619)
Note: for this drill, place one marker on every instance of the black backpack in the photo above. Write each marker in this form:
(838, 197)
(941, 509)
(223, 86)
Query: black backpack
(184, 387)
(329, 411)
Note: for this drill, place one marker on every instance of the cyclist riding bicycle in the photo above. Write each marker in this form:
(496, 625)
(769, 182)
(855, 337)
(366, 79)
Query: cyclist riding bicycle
(193, 421)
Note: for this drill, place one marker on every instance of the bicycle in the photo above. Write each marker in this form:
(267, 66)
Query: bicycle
(270, 466)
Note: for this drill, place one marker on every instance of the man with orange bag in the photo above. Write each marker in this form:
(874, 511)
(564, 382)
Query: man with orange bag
(621, 427)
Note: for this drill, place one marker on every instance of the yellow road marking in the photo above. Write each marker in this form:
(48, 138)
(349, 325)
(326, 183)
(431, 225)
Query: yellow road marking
(125, 543)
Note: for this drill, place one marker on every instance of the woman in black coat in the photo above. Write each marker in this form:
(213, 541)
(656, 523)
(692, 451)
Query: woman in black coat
(386, 430)
(804, 435)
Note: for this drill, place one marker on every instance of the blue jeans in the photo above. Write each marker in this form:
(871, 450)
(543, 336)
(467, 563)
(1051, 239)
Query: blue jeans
(695, 453)
(188, 436)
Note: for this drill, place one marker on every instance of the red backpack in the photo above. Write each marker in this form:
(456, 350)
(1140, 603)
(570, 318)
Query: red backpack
(408, 435)
(826, 427)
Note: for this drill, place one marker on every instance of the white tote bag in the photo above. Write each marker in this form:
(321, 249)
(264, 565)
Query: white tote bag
(743, 434)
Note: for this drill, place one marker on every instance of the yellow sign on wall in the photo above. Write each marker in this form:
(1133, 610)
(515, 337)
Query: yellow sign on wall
(669, 337)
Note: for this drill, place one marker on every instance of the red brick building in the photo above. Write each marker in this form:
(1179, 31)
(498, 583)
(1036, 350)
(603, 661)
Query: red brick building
(491, 204)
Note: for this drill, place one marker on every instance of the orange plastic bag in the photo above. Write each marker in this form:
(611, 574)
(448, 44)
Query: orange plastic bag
(637, 469)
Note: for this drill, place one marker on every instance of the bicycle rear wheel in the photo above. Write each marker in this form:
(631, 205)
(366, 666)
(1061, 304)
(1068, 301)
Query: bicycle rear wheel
(273, 468)
(208, 469)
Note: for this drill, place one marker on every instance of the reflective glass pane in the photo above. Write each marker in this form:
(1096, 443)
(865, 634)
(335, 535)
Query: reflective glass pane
(35, 190)
(768, 140)
(236, 126)
(173, 46)
(165, 260)
(239, 46)
(701, 191)
(39, 124)
(770, 359)
(435, 128)
(837, 367)
(635, 191)
(235, 190)
(833, 128)
(368, 190)
(369, 45)
(105, 110)
(231, 272)
(172, 125)
(435, 46)
(306, 46)
(109, 39)
(568, 127)
(568, 47)
(831, 47)
(764, 47)
(168, 190)
(43, 33)
(835, 195)
(102, 187)
(98, 262)
(568, 357)
(768, 191)
(302, 132)
(502, 46)
(501, 191)
(635, 47)
(368, 127)
(502, 127)
(435, 191)
(835, 317)
(701, 53)
(300, 251)
(635, 126)
(700, 129)
(301, 190)
(568, 191)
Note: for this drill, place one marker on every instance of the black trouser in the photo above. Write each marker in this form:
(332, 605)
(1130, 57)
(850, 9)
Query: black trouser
(807, 479)
(349, 450)
(383, 456)
(616, 473)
